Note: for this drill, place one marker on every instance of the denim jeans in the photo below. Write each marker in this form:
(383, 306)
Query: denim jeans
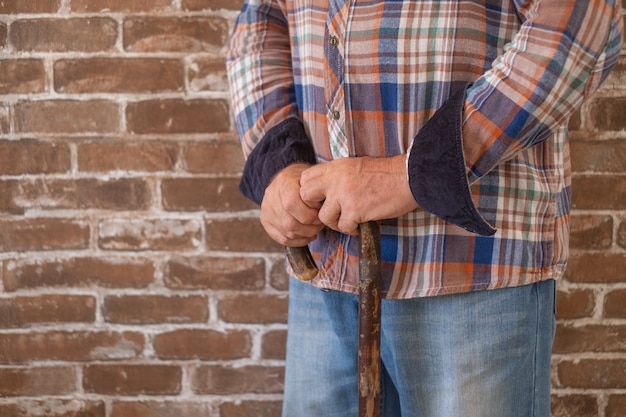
(479, 354)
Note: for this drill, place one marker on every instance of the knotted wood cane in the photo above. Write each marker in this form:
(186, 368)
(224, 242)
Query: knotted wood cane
(370, 288)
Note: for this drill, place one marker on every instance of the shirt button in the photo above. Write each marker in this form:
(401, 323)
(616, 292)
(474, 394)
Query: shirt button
(336, 115)
(333, 41)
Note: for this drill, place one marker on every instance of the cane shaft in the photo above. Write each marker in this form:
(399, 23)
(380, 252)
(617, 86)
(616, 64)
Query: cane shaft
(370, 288)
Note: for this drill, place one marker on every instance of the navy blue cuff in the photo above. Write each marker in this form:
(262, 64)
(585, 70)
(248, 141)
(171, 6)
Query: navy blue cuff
(285, 144)
(436, 169)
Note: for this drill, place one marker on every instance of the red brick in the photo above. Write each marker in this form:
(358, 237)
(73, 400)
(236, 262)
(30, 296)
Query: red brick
(591, 232)
(615, 304)
(597, 268)
(79, 194)
(161, 409)
(117, 75)
(222, 380)
(279, 279)
(97, 34)
(206, 194)
(154, 309)
(203, 344)
(197, 5)
(50, 308)
(251, 409)
(599, 156)
(23, 76)
(621, 234)
(120, 6)
(37, 381)
(5, 123)
(608, 113)
(239, 235)
(25, 7)
(125, 156)
(575, 303)
(176, 34)
(28, 156)
(599, 192)
(70, 346)
(202, 272)
(589, 338)
(274, 345)
(222, 157)
(3, 35)
(43, 234)
(592, 373)
(254, 308)
(617, 78)
(575, 122)
(178, 116)
(53, 408)
(208, 74)
(67, 116)
(616, 406)
(149, 234)
(109, 272)
(131, 379)
(574, 406)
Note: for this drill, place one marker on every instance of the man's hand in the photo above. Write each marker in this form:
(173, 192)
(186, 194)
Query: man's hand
(355, 190)
(285, 217)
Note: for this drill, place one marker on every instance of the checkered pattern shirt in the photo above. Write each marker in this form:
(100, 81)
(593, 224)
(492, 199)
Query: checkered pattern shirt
(476, 94)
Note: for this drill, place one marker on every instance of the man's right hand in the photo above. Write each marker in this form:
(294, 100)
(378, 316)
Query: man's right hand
(286, 218)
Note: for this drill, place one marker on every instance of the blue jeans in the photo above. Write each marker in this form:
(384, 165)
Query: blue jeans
(479, 354)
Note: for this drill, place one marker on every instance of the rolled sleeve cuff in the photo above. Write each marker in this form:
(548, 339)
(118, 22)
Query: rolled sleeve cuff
(285, 144)
(436, 169)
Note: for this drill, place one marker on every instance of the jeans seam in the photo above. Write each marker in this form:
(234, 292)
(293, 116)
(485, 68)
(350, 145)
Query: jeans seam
(536, 353)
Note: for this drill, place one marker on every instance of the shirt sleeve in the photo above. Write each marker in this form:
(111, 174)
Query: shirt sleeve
(561, 54)
(263, 95)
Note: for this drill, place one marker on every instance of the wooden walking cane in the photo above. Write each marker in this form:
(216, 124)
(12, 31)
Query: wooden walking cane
(370, 288)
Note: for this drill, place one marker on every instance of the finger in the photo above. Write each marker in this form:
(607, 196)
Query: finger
(299, 211)
(288, 236)
(313, 185)
(329, 214)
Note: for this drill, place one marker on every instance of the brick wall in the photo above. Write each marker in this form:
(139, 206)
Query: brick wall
(136, 281)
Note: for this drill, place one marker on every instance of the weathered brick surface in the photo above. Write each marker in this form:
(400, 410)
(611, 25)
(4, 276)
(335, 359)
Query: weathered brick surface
(127, 156)
(54, 408)
(161, 408)
(107, 272)
(214, 273)
(22, 76)
(259, 309)
(25, 311)
(224, 380)
(183, 34)
(20, 6)
(178, 116)
(251, 409)
(66, 116)
(118, 75)
(135, 280)
(43, 234)
(69, 345)
(121, 6)
(97, 34)
(36, 381)
(153, 309)
(132, 379)
(28, 156)
(204, 344)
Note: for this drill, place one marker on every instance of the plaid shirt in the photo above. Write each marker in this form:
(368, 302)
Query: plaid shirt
(477, 94)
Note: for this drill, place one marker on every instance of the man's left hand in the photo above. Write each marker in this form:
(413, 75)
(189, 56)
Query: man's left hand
(356, 190)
